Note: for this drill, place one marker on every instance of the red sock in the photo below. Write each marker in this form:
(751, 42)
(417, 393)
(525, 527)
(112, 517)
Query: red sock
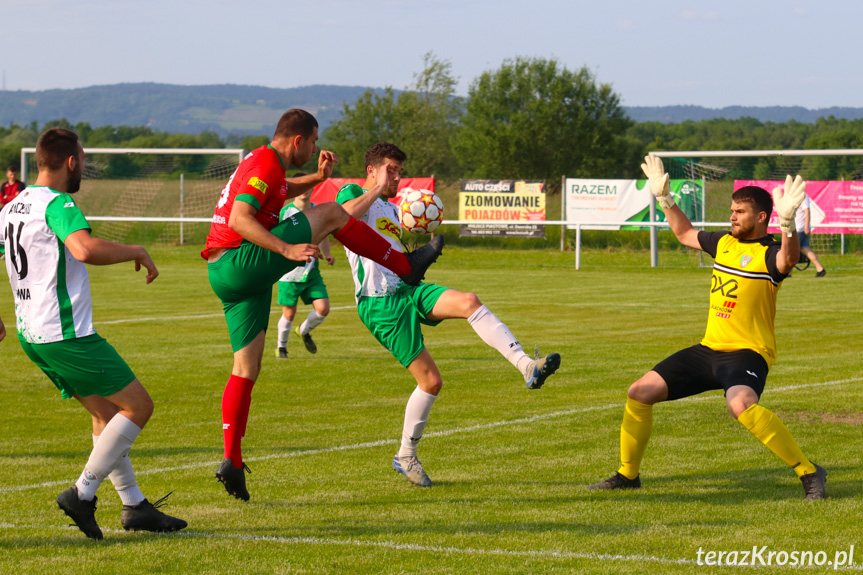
(235, 414)
(364, 241)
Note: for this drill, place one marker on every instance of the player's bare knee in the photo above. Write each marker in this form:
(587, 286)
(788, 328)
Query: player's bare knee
(648, 391)
(739, 404)
(470, 303)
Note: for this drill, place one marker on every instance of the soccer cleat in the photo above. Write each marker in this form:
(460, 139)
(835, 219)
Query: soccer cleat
(307, 341)
(617, 481)
(541, 369)
(281, 353)
(821, 274)
(422, 258)
(83, 513)
(234, 479)
(412, 469)
(146, 516)
(813, 484)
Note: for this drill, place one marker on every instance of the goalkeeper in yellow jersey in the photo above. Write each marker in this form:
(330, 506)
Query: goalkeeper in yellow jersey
(739, 345)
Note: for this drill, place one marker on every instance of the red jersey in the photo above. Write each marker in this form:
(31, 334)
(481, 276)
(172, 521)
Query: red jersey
(9, 192)
(258, 180)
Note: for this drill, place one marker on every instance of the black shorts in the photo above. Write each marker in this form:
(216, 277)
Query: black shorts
(698, 369)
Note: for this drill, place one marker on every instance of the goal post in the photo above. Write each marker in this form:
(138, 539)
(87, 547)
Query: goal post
(150, 195)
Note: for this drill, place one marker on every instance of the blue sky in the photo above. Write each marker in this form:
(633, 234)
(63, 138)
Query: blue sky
(661, 52)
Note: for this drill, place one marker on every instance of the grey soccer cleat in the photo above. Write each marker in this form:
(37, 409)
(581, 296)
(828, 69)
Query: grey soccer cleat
(412, 469)
(233, 479)
(281, 353)
(307, 341)
(540, 369)
(146, 516)
(814, 484)
(82, 512)
(616, 481)
(422, 258)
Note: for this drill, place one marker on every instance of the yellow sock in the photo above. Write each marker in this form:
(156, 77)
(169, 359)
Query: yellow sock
(770, 431)
(634, 433)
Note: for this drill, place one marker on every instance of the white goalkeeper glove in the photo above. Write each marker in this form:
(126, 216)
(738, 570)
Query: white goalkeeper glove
(658, 180)
(788, 202)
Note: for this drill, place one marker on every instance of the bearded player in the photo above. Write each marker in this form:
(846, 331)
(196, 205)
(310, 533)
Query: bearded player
(739, 346)
(249, 249)
(394, 311)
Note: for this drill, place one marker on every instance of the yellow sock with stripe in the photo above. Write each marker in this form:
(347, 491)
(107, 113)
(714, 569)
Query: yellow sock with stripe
(770, 431)
(634, 433)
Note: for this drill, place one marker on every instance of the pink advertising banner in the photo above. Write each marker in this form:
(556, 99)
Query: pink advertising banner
(830, 203)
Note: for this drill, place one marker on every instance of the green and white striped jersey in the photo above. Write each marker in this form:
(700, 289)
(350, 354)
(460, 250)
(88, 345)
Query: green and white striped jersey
(51, 288)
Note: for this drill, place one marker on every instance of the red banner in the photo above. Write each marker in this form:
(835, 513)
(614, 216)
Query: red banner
(327, 191)
(830, 203)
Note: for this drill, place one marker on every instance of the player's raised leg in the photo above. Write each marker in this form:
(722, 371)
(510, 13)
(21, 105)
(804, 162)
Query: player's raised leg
(465, 305)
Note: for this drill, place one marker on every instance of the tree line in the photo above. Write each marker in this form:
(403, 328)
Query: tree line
(531, 118)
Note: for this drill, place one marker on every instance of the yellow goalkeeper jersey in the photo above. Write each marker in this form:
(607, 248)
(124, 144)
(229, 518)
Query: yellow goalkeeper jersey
(743, 293)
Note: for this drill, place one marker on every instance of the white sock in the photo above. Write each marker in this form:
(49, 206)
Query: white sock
(416, 416)
(497, 335)
(313, 321)
(284, 331)
(123, 478)
(115, 442)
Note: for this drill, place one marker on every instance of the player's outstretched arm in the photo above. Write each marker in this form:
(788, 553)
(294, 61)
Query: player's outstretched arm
(786, 202)
(301, 184)
(657, 179)
(244, 223)
(94, 251)
(359, 206)
(325, 250)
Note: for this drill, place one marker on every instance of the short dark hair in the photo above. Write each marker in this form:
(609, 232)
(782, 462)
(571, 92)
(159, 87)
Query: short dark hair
(379, 152)
(755, 195)
(11, 168)
(295, 122)
(54, 148)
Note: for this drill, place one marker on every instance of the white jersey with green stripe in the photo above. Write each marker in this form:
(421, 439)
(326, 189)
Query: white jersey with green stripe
(370, 278)
(298, 274)
(50, 287)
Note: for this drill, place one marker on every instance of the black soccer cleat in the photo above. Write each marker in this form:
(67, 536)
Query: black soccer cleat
(83, 513)
(234, 479)
(146, 516)
(616, 481)
(814, 484)
(421, 260)
(541, 369)
(307, 341)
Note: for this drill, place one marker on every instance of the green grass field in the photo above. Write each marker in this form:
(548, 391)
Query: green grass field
(509, 465)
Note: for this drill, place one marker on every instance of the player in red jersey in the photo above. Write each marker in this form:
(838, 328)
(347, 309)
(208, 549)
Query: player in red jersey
(248, 250)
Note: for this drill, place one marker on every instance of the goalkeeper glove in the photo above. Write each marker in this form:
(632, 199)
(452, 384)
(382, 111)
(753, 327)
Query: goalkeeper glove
(787, 203)
(658, 180)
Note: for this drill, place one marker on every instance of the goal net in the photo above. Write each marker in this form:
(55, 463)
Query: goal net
(145, 195)
(835, 189)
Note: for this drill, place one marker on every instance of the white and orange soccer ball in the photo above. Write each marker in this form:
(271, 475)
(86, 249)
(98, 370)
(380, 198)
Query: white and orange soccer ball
(421, 212)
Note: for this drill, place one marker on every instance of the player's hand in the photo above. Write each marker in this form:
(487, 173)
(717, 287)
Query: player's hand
(657, 178)
(330, 259)
(147, 262)
(302, 252)
(787, 203)
(326, 159)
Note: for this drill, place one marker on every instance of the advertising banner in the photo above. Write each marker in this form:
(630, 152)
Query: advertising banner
(327, 191)
(520, 201)
(590, 200)
(829, 203)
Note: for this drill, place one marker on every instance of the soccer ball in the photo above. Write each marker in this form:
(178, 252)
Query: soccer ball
(421, 212)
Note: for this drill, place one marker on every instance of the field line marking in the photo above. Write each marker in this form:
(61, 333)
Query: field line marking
(395, 441)
(201, 316)
(450, 550)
